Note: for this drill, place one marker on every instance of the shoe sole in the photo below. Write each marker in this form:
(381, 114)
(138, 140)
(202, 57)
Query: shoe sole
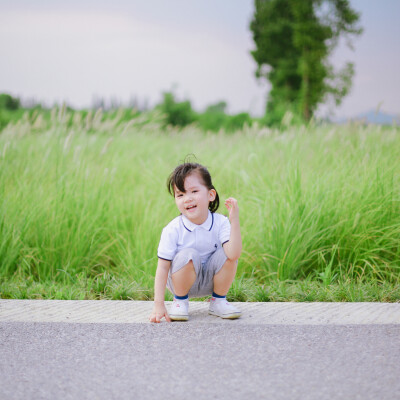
(179, 317)
(226, 316)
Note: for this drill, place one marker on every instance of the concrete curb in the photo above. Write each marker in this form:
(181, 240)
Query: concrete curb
(120, 312)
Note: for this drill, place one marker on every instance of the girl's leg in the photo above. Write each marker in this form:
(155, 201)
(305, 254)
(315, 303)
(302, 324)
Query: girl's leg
(222, 281)
(182, 275)
(184, 279)
(224, 277)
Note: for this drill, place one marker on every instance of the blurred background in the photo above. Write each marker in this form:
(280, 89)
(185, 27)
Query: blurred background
(90, 53)
(100, 100)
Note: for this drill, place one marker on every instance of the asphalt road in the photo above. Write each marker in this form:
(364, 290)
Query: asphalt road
(198, 361)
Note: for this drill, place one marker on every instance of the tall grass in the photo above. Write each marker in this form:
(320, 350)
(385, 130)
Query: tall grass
(317, 202)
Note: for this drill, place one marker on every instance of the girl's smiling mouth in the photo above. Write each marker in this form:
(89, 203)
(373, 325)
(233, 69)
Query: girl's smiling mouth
(190, 207)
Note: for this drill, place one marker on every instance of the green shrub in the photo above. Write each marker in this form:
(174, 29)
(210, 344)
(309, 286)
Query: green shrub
(236, 122)
(7, 102)
(177, 113)
(214, 118)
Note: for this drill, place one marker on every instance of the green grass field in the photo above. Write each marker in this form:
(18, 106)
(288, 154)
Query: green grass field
(82, 206)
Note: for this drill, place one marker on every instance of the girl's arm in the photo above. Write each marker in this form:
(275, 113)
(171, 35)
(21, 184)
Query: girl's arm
(233, 248)
(160, 283)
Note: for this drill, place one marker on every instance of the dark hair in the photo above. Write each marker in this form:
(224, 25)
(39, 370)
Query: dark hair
(178, 176)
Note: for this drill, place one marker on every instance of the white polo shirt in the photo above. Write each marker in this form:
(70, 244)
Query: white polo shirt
(180, 234)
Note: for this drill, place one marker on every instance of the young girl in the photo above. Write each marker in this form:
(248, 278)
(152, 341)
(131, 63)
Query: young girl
(199, 249)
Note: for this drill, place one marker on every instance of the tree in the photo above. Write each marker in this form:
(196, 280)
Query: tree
(293, 40)
(177, 113)
(7, 102)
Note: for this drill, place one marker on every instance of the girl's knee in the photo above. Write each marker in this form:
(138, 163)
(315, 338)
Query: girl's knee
(185, 260)
(187, 267)
(229, 265)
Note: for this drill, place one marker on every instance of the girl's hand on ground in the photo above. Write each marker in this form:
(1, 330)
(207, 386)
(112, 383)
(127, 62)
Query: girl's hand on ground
(159, 311)
(233, 208)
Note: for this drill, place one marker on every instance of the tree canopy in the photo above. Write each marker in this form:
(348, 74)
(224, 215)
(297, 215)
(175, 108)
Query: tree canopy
(7, 102)
(293, 40)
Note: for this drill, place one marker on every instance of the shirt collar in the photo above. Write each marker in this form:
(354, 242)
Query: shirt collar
(207, 224)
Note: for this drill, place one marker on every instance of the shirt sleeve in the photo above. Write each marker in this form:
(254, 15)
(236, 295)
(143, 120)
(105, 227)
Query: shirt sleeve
(225, 230)
(168, 244)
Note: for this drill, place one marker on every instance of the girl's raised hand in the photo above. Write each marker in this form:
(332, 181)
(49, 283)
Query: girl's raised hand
(233, 208)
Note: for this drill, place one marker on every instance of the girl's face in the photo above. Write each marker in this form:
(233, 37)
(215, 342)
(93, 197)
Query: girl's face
(193, 203)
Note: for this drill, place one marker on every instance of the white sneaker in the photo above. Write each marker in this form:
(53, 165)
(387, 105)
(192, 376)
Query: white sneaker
(222, 308)
(179, 310)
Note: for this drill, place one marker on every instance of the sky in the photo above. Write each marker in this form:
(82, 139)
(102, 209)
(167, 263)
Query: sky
(75, 51)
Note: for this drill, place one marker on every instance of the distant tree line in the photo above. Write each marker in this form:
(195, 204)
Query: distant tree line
(293, 39)
(213, 118)
(175, 113)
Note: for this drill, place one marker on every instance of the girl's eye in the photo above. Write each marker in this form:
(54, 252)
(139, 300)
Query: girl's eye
(195, 191)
